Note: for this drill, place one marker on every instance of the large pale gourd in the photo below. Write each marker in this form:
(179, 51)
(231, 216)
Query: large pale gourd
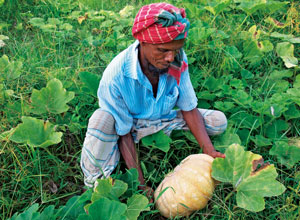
(189, 187)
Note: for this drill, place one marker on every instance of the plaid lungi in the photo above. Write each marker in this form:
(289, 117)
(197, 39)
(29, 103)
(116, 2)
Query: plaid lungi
(100, 153)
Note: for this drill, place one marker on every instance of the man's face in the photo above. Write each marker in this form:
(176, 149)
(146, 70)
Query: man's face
(162, 55)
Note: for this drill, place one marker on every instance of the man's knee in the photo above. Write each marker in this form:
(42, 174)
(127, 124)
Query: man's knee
(103, 121)
(215, 122)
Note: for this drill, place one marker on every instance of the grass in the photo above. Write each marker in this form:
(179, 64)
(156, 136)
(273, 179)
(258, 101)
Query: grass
(52, 175)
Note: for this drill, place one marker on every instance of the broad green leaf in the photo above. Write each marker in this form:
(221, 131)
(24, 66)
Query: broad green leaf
(54, 21)
(48, 27)
(109, 189)
(51, 99)
(276, 75)
(294, 94)
(36, 133)
(275, 129)
(48, 213)
(224, 106)
(30, 213)
(197, 34)
(245, 120)
(286, 37)
(287, 154)
(241, 97)
(212, 84)
(103, 189)
(126, 11)
(252, 6)
(3, 37)
(286, 51)
(251, 182)
(66, 26)
(265, 46)
(216, 6)
(275, 23)
(221, 142)
(273, 6)
(297, 82)
(261, 141)
(91, 82)
(11, 69)
(158, 140)
(131, 178)
(206, 95)
(246, 74)
(75, 206)
(135, 205)
(1, 2)
(105, 209)
(38, 22)
(292, 112)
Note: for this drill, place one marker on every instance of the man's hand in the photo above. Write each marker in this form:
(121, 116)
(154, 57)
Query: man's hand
(195, 122)
(214, 154)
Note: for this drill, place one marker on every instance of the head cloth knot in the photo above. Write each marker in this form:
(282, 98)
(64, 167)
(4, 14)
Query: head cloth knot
(160, 23)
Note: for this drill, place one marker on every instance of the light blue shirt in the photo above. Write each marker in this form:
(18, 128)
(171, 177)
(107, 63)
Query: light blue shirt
(126, 93)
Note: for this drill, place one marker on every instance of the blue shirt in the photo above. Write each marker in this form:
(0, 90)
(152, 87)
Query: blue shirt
(126, 93)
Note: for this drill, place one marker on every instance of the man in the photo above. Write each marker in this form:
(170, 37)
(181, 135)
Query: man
(137, 94)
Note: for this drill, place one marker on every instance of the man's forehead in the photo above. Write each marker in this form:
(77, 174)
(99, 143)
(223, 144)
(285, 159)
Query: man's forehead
(176, 44)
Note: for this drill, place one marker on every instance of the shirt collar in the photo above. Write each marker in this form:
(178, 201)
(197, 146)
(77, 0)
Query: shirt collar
(133, 68)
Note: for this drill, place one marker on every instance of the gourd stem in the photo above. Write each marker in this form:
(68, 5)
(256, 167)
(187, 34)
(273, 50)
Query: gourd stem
(229, 195)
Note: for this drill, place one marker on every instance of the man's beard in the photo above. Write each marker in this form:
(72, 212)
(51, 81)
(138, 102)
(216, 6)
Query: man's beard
(155, 71)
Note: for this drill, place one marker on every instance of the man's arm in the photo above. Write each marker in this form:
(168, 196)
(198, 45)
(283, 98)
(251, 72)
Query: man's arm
(129, 153)
(195, 123)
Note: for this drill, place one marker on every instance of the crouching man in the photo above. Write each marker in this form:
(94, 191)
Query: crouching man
(137, 94)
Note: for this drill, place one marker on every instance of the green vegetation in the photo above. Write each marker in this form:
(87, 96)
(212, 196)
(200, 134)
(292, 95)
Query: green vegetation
(243, 60)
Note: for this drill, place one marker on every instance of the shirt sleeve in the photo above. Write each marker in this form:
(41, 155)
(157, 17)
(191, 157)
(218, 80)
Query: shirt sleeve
(187, 99)
(110, 100)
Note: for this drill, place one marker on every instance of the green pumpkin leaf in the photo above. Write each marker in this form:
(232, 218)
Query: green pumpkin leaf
(158, 140)
(217, 6)
(105, 209)
(276, 75)
(221, 142)
(91, 82)
(224, 106)
(131, 178)
(261, 141)
(30, 213)
(11, 70)
(109, 189)
(246, 74)
(51, 99)
(275, 129)
(297, 82)
(75, 206)
(37, 22)
(252, 6)
(286, 37)
(287, 154)
(36, 133)
(135, 205)
(252, 184)
(292, 112)
(286, 51)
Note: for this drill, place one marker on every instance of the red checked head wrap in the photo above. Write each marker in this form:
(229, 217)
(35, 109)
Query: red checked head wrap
(160, 23)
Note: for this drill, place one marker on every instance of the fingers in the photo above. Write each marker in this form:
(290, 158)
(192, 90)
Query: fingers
(215, 154)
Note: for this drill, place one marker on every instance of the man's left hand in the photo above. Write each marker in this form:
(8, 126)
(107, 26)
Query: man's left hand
(215, 154)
